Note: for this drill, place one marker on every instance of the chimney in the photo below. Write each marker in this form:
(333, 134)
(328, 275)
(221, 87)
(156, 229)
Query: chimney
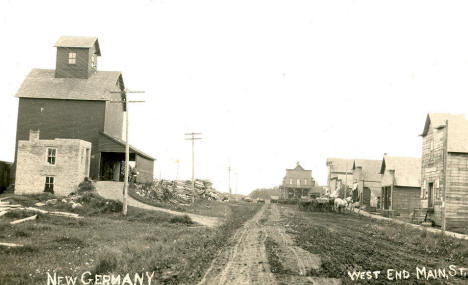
(34, 135)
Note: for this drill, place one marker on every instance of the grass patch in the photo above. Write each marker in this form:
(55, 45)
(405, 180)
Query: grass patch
(274, 260)
(21, 233)
(109, 242)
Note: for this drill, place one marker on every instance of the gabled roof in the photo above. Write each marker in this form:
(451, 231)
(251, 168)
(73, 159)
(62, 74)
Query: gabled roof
(78, 42)
(41, 83)
(298, 167)
(340, 164)
(407, 170)
(457, 130)
(370, 168)
(122, 144)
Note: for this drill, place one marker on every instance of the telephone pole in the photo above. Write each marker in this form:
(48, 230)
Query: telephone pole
(229, 179)
(237, 181)
(444, 195)
(192, 137)
(124, 101)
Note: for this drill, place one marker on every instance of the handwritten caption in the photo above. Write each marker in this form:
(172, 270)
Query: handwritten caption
(420, 273)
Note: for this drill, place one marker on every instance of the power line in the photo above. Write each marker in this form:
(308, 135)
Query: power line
(192, 137)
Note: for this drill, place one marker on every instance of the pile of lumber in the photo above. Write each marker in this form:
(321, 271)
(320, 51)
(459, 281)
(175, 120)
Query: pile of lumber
(6, 207)
(177, 191)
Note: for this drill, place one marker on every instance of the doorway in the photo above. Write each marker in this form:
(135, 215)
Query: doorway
(430, 195)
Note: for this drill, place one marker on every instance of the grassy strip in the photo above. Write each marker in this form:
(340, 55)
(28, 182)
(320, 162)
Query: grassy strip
(274, 259)
(200, 207)
(144, 241)
(350, 243)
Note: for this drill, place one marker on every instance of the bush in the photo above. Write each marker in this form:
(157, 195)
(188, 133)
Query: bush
(99, 204)
(181, 220)
(108, 262)
(86, 186)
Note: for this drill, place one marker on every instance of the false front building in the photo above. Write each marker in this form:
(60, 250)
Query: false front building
(445, 157)
(297, 183)
(75, 101)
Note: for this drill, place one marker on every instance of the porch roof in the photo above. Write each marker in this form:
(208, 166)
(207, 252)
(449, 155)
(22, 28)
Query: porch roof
(108, 143)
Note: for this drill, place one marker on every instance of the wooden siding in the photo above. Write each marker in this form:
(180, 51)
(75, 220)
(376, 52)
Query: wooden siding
(68, 119)
(145, 168)
(457, 190)
(114, 117)
(432, 164)
(457, 179)
(78, 70)
(405, 199)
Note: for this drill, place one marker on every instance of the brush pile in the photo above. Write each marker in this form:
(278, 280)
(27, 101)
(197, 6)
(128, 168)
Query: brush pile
(178, 192)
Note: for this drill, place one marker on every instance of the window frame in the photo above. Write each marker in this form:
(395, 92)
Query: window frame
(49, 184)
(71, 57)
(54, 157)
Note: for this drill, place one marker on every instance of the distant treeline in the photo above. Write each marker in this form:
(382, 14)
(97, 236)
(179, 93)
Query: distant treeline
(264, 193)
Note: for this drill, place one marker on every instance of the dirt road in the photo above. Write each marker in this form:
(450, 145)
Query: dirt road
(245, 260)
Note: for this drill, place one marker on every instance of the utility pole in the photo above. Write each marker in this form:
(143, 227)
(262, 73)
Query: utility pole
(445, 178)
(123, 94)
(192, 137)
(229, 179)
(237, 182)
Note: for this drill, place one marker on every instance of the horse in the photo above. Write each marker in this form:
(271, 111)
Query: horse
(339, 204)
(354, 205)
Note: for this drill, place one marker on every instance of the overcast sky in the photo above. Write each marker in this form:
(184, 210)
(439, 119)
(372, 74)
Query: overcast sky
(268, 83)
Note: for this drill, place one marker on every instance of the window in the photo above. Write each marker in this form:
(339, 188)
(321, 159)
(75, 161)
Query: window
(290, 181)
(298, 181)
(72, 58)
(305, 181)
(49, 184)
(51, 154)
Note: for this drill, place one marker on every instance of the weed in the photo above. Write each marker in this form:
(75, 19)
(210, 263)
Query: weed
(70, 241)
(181, 220)
(107, 262)
(20, 233)
(86, 186)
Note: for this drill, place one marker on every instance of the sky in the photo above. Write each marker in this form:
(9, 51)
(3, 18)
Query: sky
(267, 83)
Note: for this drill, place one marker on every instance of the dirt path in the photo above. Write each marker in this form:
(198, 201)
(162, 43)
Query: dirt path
(113, 191)
(245, 260)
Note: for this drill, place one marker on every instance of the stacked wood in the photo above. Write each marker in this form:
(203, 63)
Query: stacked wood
(177, 191)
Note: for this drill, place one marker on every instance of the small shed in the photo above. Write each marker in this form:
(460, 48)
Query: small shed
(401, 184)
